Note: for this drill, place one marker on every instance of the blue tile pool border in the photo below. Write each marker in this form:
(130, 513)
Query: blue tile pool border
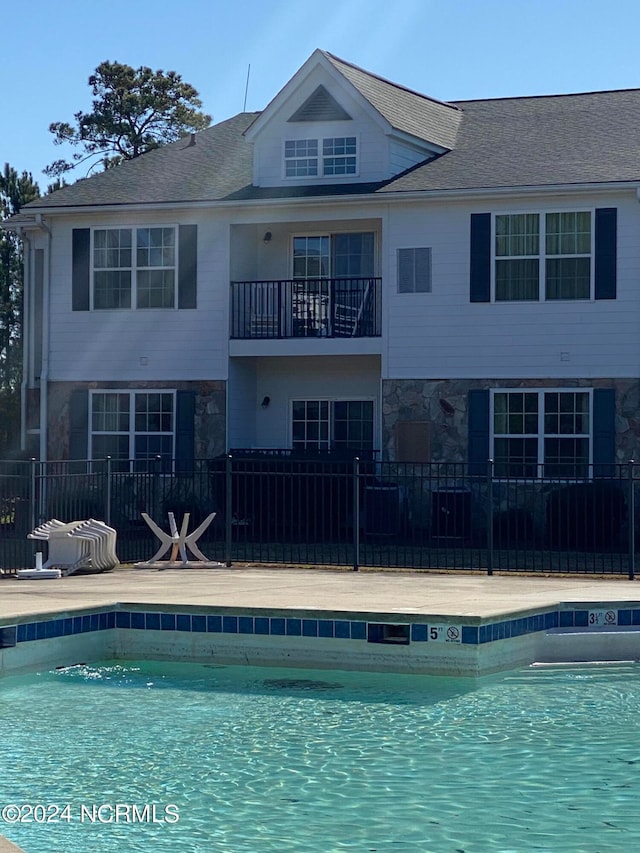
(473, 632)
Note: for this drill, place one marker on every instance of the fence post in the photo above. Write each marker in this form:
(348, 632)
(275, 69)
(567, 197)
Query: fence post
(107, 507)
(490, 516)
(228, 510)
(632, 520)
(34, 494)
(356, 514)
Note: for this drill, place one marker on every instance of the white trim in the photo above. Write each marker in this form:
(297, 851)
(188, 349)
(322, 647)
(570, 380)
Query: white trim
(416, 142)
(479, 193)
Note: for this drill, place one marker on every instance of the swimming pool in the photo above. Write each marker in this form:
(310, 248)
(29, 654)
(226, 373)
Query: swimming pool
(261, 759)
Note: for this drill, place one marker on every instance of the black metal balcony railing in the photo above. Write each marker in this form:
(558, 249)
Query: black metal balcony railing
(309, 308)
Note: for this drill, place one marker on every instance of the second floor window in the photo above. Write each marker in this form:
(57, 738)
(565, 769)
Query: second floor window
(334, 255)
(548, 254)
(134, 267)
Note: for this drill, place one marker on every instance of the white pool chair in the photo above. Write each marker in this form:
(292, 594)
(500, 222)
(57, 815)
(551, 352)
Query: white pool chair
(87, 545)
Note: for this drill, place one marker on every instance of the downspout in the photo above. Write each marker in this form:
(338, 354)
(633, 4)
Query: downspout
(44, 373)
(26, 346)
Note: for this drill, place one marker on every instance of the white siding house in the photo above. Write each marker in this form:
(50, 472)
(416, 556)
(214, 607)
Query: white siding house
(358, 268)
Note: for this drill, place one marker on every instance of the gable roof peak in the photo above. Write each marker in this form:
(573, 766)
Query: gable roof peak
(336, 61)
(427, 120)
(424, 118)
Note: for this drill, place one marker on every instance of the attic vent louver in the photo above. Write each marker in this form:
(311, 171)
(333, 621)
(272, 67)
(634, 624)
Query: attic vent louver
(320, 106)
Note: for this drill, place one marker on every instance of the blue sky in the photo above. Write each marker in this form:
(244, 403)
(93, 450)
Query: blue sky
(450, 49)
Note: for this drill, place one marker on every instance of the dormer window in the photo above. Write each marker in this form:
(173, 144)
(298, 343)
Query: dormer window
(302, 157)
(339, 156)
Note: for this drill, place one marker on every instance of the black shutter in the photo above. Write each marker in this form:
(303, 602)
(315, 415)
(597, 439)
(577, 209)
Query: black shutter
(478, 426)
(188, 266)
(480, 258)
(604, 431)
(185, 431)
(80, 251)
(79, 424)
(606, 252)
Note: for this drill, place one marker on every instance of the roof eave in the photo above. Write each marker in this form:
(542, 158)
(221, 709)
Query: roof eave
(514, 190)
(416, 141)
(368, 198)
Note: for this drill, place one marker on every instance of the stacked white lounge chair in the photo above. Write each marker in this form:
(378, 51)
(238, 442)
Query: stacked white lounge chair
(77, 545)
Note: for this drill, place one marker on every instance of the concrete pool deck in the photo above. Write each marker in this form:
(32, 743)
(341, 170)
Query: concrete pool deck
(7, 847)
(391, 592)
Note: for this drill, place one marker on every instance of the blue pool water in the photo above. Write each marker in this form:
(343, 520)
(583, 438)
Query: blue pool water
(258, 760)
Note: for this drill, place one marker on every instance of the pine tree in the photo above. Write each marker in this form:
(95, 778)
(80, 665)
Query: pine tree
(134, 111)
(15, 191)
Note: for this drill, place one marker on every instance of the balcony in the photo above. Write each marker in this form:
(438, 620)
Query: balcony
(306, 308)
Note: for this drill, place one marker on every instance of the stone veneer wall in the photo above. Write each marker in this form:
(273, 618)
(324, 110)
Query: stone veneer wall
(210, 417)
(443, 403)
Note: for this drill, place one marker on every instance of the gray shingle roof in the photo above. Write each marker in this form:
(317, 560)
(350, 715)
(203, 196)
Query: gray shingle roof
(538, 141)
(408, 111)
(509, 142)
(219, 164)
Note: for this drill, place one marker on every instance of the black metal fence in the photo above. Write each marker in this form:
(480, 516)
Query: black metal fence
(280, 507)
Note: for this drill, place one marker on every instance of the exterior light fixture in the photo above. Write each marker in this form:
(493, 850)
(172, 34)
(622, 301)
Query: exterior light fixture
(267, 237)
(265, 402)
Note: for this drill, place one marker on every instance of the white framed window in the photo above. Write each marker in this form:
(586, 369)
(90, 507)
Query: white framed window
(323, 425)
(301, 158)
(568, 239)
(331, 156)
(311, 256)
(134, 267)
(543, 254)
(414, 270)
(339, 155)
(132, 427)
(541, 433)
